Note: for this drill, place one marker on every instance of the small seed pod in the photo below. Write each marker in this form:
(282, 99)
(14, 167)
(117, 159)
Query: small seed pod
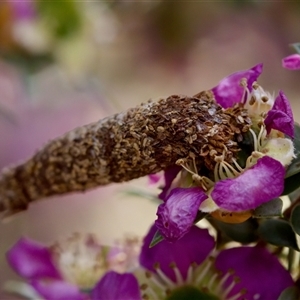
(141, 141)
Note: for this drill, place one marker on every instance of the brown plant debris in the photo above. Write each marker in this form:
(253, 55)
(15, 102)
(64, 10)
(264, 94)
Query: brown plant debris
(141, 141)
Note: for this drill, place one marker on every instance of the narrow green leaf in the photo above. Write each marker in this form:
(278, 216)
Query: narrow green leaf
(278, 232)
(244, 233)
(200, 215)
(270, 209)
(295, 219)
(157, 238)
(291, 184)
(296, 46)
(294, 167)
(295, 195)
(290, 293)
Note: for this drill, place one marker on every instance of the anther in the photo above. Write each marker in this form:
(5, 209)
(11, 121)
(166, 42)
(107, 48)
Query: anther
(143, 286)
(241, 119)
(156, 265)
(148, 274)
(231, 271)
(252, 100)
(180, 162)
(243, 82)
(219, 158)
(178, 275)
(257, 154)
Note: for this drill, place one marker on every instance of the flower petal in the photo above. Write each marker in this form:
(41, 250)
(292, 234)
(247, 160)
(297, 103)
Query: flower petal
(177, 214)
(229, 91)
(154, 178)
(195, 246)
(115, 286)
(169, 175)
(260, 273)
(32, 260)
(257, 185)
(291, 62)
(281, 149)
(23, 10)
(280, 117)
(57, 290)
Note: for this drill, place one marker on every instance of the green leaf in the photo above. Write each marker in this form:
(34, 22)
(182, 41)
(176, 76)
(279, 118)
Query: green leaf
(294, 167)
(191, 293)
(270, 209)
(63, 18)
(295, 219)
(296, 46)
(246, 147)
(157, 238)
(295, 195)
(200, 215)
(290, 293)
(291, 184)
(244, 233)
(278, 233)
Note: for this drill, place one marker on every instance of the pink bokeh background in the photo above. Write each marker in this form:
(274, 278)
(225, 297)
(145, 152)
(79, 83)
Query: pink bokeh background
(139, 61)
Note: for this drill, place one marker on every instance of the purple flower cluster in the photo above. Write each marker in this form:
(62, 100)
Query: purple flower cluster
(191, 265)
(235, 189)
(187, 263)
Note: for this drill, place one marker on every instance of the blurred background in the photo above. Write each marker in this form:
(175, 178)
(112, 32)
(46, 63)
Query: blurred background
(67, 63)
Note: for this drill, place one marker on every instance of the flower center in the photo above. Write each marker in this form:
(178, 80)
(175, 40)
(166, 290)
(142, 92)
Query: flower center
(191, 293)
(258, 102)
(202, 282)
(190, 167)
(81, 260)
(224, 170)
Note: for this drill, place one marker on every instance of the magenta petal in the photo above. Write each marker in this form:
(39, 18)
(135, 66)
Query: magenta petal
(24, 10)
(169, 174)
(257, 185)
(280, 117)
(229, 91)
(259, 271)
(291, 62)
(32, 260)
(195, 246)
(57, 290)
(154, 178)
(114, 286)
(177, 214)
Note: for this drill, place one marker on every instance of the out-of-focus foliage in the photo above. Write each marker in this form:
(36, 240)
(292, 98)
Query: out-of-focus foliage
(62, 17)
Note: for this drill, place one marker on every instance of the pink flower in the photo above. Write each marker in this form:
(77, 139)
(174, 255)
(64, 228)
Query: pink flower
(291, 62)
(234, 187)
